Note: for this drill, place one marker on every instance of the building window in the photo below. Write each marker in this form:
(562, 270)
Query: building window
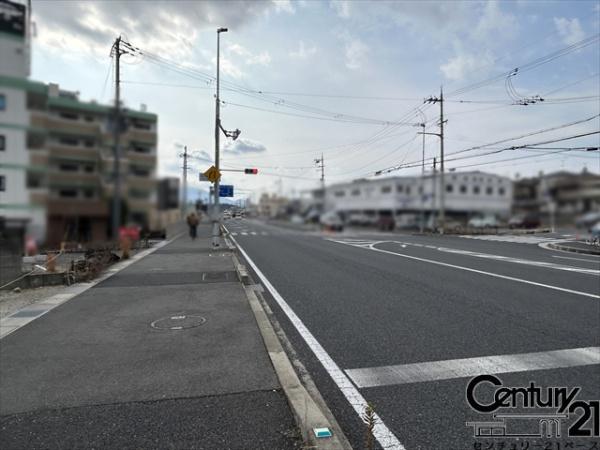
(2, 102)
(34, 180)
(2, 142)
(407, 190)
(68, 115)
(88, 193)
(420, 189)
(339, 193)
(2, 183)
(476, 190)
(400, 188)
(68, 167)
(463, 189)
(449, 188)
(89, 118)
(88, 143)
(67, 193)
(489, 190)
(501, 191)
(356, 192)
(68, 141)
(89, 168)
(386, 189)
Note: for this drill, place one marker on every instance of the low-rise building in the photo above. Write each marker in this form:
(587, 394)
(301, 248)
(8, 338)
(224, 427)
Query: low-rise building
(466, 194)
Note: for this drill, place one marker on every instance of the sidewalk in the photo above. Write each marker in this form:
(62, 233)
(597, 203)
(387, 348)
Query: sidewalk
(163, 354)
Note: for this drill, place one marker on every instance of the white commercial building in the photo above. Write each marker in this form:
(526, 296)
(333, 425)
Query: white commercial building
(466, 194)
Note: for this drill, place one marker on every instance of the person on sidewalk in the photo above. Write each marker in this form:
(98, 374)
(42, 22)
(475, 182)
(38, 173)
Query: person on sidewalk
(192, 221)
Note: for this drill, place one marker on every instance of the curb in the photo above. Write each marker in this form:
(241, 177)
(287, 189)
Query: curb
(29, 313)
(564, 248)
(307, 413)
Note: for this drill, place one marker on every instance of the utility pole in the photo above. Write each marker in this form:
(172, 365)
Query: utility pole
(321, 165)
(116, 204)
(434, 197)
(185, 169)
(216, 229)
(442, 209)
(422, 227)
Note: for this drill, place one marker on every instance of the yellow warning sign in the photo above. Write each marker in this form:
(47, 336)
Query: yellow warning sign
(212, 174)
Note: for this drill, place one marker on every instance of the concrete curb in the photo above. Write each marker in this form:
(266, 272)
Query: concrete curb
(23, 316)
(307, 412)
(566, 248)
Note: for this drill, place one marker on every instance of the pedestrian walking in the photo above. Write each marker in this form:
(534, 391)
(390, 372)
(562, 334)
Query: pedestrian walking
(192, 221)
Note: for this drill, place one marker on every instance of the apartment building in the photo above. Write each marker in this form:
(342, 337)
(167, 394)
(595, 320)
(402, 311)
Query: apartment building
(57, 157)
(466, 194)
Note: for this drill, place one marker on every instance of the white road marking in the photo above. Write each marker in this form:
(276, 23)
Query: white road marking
(469, 367)
(382, 433)
(264, 233)
(482, 272)
(253, 233)
(509, 238)
(234, 233)
(595, 261)
(244, 233)
(528, 262)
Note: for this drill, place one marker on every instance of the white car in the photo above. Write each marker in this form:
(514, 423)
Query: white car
(331, 221)
(485, 221)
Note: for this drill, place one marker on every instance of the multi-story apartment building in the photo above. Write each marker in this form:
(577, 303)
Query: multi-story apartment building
(466, 194)
(57, 156)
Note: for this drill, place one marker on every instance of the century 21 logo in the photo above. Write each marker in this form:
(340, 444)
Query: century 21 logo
(561, 400)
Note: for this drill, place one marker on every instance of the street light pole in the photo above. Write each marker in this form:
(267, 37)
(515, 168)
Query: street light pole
(216, 223)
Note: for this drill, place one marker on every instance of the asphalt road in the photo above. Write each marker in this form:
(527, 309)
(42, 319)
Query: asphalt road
(383, 318)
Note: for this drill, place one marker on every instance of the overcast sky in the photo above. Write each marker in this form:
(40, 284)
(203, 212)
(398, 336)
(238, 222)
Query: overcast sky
(320, 59)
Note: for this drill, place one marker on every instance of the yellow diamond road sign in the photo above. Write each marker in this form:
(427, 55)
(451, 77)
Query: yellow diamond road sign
(212, 174)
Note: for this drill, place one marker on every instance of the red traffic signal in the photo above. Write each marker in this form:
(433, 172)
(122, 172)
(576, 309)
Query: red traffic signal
(251, 171)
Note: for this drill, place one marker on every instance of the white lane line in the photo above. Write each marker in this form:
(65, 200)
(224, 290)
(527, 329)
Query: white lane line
(244, 233)
(253, 233)
(234, 233)
(264, 233)
(595, 261)
(482, 272)
(528, 262)
(469, 367)
(382, 433)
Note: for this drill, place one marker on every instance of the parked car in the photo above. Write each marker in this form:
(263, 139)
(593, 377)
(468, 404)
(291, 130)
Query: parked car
(524, 221)
(588, 220)
(595, 231)
(331, 221)
(484, 221)
(296, 219)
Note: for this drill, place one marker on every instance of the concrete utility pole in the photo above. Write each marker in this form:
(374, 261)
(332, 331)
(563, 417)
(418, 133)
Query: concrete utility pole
(216, 223)
(116, 204)
(185, 169)
(422, 226)
(442, 210)
(321, 164)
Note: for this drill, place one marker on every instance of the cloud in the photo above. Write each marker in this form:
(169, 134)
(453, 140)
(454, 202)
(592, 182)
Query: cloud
(570, 30)
(242, 146)
(164, 27)
(341, 7)
(284, 6)
(458, 67)
(303, 52)
(355, 51)
(263, 58)
(493, 23)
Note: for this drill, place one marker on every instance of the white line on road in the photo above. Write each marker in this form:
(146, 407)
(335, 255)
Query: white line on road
(253, 233)
(482, 272)
(381, 432)
(469, 367)
(595, 261)
(244, 233)
(234, 233)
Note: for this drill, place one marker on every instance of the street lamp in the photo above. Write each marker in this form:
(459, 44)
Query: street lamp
(216, 224)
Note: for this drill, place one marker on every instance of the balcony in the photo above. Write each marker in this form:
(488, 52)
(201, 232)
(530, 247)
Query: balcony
(71, 126)
(146, 159)
(70, 207)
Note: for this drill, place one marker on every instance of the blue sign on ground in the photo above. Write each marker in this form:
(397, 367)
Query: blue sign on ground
(226, 190)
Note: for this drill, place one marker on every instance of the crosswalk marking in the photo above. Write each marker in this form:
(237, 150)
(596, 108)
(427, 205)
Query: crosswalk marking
(509, 238)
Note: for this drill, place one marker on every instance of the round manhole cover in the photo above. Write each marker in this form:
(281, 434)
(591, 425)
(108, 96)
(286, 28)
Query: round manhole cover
(178, 322)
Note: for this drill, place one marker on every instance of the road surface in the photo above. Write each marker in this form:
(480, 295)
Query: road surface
(403, 322)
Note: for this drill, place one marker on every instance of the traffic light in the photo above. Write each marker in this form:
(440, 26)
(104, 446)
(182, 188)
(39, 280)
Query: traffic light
(251, 171)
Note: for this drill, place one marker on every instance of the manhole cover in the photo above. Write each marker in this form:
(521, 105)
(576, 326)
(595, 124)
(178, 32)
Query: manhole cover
(178, 322)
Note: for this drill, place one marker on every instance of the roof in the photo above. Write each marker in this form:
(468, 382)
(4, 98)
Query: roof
(23, 84)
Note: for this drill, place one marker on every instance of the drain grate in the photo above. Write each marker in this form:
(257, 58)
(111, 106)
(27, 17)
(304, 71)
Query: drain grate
(178, 322)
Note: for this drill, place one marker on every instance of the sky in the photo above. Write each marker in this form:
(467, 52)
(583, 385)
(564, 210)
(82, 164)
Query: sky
(345, 79)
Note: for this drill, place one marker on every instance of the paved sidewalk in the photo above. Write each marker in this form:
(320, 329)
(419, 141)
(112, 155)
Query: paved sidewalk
(163, 354)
